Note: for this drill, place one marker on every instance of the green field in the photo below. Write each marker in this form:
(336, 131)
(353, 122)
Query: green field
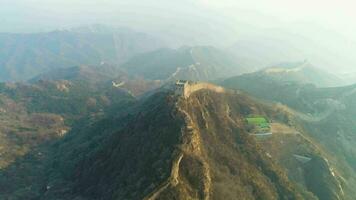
(256, 120)
(259, 122)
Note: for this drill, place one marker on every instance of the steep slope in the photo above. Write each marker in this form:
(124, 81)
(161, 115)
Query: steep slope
(24, 56)
(33, 116)
(124, 156)
(218, 159)
(191, 63)
(22, 134)
(210, 114)
(326, 114)
(20, 131)
(199, 146)
(169, 148)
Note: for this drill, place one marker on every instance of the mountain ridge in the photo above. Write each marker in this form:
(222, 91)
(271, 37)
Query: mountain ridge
(26, 55)
(190, 63)
(211, 147)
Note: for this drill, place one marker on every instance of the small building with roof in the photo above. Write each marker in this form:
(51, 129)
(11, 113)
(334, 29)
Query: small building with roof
(180, 86)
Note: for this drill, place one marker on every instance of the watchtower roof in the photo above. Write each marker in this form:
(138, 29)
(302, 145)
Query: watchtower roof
(181, 82)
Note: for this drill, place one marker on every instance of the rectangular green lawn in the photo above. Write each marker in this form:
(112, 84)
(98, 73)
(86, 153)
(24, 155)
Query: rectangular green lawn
(256, 120)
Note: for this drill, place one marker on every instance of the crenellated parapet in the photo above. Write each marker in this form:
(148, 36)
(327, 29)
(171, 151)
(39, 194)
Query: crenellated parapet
(186, 88)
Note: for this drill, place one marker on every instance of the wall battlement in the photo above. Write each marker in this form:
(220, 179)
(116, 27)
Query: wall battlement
(186, 88)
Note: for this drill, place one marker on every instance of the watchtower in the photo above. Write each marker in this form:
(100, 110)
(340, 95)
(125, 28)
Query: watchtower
(180, 86)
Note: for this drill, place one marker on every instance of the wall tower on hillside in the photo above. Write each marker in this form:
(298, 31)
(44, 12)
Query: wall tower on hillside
(180, 87)
(186, 88)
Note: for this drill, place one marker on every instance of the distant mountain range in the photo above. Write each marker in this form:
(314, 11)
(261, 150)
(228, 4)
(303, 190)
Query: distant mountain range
(99, 77)
(321, 46)
(92, 73)
(283, 83)
(298, 72)
(24, 56)
(190, 63)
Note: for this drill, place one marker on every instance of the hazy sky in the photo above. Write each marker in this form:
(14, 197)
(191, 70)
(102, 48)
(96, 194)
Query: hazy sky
(37, 15)
(329, 25)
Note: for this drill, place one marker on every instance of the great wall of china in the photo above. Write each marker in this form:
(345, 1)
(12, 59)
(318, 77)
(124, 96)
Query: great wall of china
(186, 88)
